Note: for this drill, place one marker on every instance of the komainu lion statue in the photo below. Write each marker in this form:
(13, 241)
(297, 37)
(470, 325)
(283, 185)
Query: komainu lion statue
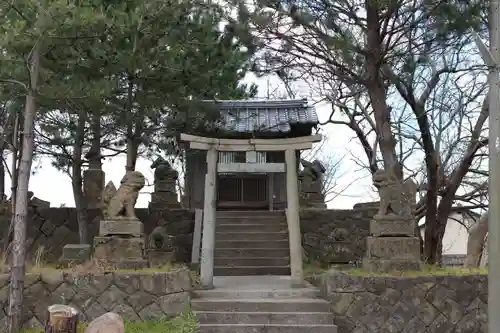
(396, 198)
(159, 239)
(123, 202)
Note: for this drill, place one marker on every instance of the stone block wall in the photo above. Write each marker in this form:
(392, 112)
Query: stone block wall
(135, 296)
(430, 304)
(335, 236)
(329, 236)
(52, 228)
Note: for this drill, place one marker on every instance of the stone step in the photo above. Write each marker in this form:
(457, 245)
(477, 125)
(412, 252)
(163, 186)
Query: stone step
(252, 236)
(261, 318)
(260, 305)
(251, 244)
(250, 213)
(244, 220)
(258, 293)
(266, 328)
(251, 270)
(255, 252)
(251, 227)
(251, 261)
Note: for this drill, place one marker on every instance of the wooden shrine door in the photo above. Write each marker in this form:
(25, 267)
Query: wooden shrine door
(242, 191)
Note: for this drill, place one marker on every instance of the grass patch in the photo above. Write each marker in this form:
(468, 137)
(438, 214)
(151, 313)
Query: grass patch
(184, 323)
(99, 266)
(311, 270)
(38, 265)
(427, 270)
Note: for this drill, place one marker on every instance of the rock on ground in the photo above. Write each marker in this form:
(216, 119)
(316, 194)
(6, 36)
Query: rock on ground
(107, 323)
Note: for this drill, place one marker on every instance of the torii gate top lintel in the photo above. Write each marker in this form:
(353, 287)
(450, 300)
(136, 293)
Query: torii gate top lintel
(282, 144)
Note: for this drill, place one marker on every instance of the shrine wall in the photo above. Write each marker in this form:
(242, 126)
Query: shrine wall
(329, 236)
(423, 304)
(52, 228)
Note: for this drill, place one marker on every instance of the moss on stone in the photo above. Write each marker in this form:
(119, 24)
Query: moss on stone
(311, 270)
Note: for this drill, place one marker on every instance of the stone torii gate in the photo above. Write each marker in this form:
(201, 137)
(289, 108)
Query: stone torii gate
(212, 146)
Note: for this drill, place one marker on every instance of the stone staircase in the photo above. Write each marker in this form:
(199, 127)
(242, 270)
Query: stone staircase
(261, 304)
(253, 291)
(251, 243)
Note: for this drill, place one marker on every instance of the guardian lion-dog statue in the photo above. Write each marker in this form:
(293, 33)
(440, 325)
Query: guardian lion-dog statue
(397, 198)
(123, 202)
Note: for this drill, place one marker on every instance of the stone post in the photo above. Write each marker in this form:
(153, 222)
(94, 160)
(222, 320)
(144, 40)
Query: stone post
(93, 186)
(208, 237)
(293, 217)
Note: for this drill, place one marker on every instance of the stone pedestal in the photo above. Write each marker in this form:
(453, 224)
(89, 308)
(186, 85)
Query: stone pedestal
(165, 188)
(162, 200)
(121, 227)
(315, 199)
(93, 187)
(392, 245)
(121, 244)
(161, 249)
(392, 227)
(160, 258)
(75, 254)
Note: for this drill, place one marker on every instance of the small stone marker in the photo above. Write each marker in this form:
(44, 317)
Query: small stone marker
(76, 253)
(61, 319)
(109, 322)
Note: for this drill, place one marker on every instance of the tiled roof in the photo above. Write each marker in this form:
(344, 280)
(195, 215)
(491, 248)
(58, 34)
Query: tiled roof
(246, 116)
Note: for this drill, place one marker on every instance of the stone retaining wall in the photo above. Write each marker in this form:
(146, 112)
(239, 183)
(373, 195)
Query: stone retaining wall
(329, 236)
(430, 304)
(52, 228)
(335, 236)
(135, 296)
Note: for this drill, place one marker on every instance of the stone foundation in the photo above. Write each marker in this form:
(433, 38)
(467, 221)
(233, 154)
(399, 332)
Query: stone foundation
(118, 227)
(116, 248)
(135, 296)
(329, 236)
(392, 245)
(391, 227)
(427, 304)
(160, 258)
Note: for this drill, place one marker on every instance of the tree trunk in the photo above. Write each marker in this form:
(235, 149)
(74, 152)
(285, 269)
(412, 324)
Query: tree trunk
(95, 145)
(484, 256)
(21, 212)
(446, 203)
(476, 241)
(13, 181)
(443, 213)
(16, 150)
(377, 91)
(420, 241)
(432, 165)
(77, 181)
(131, 144)
(2, 173)
(61, 319)
(132, 148)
